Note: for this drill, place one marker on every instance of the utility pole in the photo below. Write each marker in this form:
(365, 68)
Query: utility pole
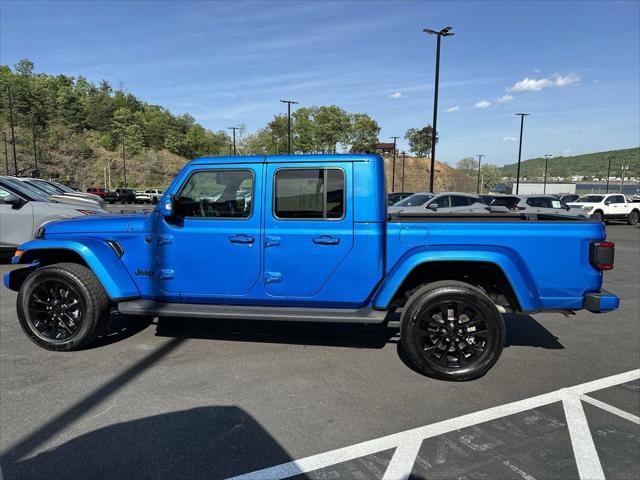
(230, 149)
(13, 133)
(546, 159)
(522, 115)
(479, 164)
(625, 166)
(234, 138)
(35, 152)
(393, 170)
(124, 164)
(403, 160)
(289, 102)
(6, 153)
(609, 172)
(445, 32)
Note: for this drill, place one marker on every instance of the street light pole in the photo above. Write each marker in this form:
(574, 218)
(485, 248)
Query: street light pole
(625, 166)
(522, 115)
(403, 160)
(124, 164)
(546, 159)
(445, 32)
(234, 138)
(289, 102)
(13, 133)
(609, 172)
(393, 170)
(479, 165)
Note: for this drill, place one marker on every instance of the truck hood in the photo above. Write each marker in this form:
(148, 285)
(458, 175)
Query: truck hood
(97, 224)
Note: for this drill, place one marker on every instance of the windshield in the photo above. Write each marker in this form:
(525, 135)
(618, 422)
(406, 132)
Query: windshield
(62, 187)
(508, 202)
(22, 189)
(590, 199)
(415, 200)
(47, 187)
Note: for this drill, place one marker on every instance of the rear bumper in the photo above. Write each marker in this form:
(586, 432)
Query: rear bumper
(602, 301)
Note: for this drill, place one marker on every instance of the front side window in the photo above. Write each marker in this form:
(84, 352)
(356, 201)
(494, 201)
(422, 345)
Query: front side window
(460, 201)
(309, 193)
(415, 200)
(217, 194)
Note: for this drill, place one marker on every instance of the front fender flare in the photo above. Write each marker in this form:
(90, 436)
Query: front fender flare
(96, 253)
(515, 270)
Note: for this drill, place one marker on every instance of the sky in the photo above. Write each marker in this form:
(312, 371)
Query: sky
(574, 66)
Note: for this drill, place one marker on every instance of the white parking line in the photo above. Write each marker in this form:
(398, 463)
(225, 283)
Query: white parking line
(405, 442)
(584, 450)
(611, 409)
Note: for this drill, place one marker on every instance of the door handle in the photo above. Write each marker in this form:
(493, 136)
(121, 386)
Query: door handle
(241, 239)
(326, 240)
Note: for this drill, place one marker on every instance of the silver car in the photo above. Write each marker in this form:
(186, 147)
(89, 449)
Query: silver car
(448, 202)
(54, 193)
(24, 211)
(546, 204)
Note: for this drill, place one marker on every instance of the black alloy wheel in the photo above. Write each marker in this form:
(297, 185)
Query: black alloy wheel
(55, 310)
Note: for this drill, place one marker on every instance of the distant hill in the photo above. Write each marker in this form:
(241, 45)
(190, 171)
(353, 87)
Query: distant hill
(590, 164)
(416, 171)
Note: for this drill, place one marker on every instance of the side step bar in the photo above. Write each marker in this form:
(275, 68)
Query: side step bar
(328, 315)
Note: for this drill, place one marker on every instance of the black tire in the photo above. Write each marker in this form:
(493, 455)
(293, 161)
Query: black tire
(597, 215)
(633, 218)
(441, 351)
(154, 201)
(63, 331)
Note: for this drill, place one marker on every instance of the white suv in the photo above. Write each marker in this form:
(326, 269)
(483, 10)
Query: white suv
(608, 207)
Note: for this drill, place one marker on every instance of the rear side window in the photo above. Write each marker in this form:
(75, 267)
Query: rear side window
(217, 194)
(460, 201)
(309, 193)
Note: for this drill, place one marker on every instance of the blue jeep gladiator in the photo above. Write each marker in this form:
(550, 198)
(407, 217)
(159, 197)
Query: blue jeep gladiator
(308, 238)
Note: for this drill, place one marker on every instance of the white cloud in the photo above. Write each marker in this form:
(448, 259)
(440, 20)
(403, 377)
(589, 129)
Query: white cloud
(509, 139)
(536, 70)
(566, 151)
(396, 95)
(482, 104)
(505, 98)
(453, 109)
(535, 85)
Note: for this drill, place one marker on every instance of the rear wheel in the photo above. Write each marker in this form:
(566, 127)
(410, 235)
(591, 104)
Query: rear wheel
(62, 307)
(452, 331)
(633, 218)
(598, 216)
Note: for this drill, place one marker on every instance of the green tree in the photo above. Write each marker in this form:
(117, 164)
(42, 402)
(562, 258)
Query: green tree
(468, 165)
(420, 140)
(363, 133)
(490, 175)
(331, 127)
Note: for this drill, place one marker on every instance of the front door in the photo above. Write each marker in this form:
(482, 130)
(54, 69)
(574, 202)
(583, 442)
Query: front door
(211, 247)
(308, 226)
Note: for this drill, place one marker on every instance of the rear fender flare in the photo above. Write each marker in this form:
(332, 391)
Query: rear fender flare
(97, 254)
(514, 269)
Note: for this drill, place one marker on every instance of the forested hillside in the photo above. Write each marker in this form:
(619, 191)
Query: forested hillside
(590, 165)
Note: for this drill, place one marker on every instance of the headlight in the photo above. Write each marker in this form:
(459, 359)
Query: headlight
(587, 209)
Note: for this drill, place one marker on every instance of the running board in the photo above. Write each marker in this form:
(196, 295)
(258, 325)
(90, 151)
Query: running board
(190, 310)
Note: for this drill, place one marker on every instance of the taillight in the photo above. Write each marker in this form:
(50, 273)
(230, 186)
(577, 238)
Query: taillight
(601, 255)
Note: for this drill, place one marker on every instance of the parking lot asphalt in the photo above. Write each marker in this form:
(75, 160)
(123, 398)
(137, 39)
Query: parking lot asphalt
(185, 398)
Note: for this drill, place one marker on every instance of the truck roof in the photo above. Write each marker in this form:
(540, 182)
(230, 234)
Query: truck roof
(335, 157)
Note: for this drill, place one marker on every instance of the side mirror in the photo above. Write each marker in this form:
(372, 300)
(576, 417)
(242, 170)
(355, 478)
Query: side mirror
(433, 206)
(167, 206)
(13, 200)
(608, 201)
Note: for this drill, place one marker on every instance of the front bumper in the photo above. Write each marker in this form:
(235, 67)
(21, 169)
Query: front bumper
(600, 302)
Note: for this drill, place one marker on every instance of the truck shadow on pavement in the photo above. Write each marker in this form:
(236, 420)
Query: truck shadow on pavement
(200, 443)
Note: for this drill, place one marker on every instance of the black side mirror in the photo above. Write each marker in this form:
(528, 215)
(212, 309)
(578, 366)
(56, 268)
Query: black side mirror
(13, 200)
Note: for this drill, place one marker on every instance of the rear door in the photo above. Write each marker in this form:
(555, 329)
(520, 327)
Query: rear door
(308, 218)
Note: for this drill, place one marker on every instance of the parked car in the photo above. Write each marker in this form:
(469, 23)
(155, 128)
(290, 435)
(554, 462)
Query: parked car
(142, 197)
(486, 199)
(567, 197)
(416, 200)
(311, 240)
(155, 195)
(609, 207)
(23, 211)
(546, 204)
(449, 202)
(55, 193)
(101, 192)
(122, 195)
(395, 197)
(76, 193)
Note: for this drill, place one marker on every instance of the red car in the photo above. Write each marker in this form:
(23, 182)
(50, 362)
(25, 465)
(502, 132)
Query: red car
(97, 191)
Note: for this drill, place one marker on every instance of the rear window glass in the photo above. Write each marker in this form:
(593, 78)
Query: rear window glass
(309, 193)
(591, 199)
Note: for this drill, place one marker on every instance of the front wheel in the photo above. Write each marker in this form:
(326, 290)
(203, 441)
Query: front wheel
(598, 216)
(633, 218)
(62, 307)
(452, 331)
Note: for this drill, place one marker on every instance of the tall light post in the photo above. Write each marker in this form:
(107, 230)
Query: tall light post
(445, 32)
(403, 160)
(609, 172)
(393, 169)
(289, 103)
(546, 160)
(13, 133)
(479, 165)
(234, 138)
(522, 115)
(625, 166)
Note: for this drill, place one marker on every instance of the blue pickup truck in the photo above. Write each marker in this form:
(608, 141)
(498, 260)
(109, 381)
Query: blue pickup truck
(308, 238)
